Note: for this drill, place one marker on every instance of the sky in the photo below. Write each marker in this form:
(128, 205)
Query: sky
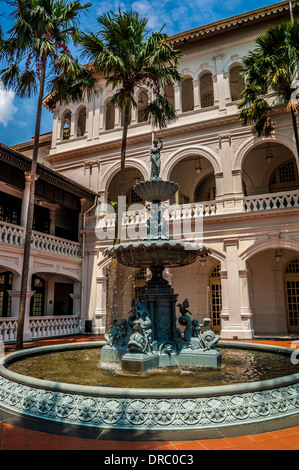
(17, 116)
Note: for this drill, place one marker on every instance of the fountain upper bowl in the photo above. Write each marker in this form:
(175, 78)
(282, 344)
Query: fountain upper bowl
(149, 253)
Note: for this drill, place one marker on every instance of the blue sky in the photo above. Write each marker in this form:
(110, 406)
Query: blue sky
(17, 116)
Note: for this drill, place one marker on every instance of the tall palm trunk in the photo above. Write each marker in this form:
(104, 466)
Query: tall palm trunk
(29, 223)
(113, 278)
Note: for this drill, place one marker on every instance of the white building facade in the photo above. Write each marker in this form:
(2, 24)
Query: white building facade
(247, 187)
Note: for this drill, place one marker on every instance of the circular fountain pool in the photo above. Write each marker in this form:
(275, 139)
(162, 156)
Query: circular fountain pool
(66, 384)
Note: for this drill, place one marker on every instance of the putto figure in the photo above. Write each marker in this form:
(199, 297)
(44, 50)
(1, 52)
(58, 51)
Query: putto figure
(156, 159)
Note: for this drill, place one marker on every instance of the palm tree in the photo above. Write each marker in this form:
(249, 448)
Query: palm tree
(270, 72)
(128, 58)
(37, 56)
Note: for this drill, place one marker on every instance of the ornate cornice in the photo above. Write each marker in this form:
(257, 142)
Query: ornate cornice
(233, 22)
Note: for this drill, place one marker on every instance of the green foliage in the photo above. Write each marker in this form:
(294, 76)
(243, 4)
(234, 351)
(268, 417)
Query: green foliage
(269, 70)
(40, 36)
(128, 58)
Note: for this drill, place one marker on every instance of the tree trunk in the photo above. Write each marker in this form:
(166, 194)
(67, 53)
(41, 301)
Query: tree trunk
(113, 278)
(29, 223)
(294, 120)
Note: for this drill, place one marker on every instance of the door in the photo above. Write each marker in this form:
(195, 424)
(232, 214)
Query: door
(292, 295)
(215, 298)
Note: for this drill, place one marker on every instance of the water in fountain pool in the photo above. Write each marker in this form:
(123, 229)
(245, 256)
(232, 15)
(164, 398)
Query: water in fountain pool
(83, 367)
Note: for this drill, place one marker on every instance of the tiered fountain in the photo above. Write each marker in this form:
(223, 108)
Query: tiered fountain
(151, 338)
(72, 384)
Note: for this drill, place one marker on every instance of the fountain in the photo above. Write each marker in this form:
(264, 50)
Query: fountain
(149, 375)
(151, 338)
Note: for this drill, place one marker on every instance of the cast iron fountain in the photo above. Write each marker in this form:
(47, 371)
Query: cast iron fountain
(169, 380)
(151, 337)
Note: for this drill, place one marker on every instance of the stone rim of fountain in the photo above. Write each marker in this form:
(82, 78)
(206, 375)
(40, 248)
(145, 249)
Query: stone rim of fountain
(103, 407)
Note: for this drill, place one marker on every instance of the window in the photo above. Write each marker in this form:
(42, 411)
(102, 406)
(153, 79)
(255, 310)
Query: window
(285, 177)
(187, 94)
(292, 294)
(10, 208)
(206, 90)
(66, 125)
(110, 116)
(142, 104)
(38, 299)
(81, 122)
(6, 279)
(215, 297)
(236, 82)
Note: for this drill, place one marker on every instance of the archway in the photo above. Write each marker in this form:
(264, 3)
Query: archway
(195, 177)
(269, 167)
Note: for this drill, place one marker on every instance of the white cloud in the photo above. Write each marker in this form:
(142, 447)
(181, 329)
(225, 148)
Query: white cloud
(7, 107)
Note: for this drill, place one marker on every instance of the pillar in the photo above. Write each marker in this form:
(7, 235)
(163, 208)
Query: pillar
(25, 198)
(220, 81)
(236, 314)
(196, 92)
(178, 98)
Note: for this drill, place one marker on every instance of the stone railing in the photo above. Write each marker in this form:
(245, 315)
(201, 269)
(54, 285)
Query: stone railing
(40, 327)
(15, 235)
(263, 202)
(8, 328)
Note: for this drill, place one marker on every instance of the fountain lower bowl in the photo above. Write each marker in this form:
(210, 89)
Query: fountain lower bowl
(147, 409)
(156, 253)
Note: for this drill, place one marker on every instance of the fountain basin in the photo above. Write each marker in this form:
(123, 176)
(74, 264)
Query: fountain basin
(156, 190)
(147, 254)
(151, 409)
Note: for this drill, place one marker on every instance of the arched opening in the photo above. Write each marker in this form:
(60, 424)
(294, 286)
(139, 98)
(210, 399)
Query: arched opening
(236, 82)
(206, 189)
(195, 177)
(110, 116)
(6, 280)
(132, 176)
(81, 121)
(142, 104)
(291, 278)
(63, 302)
(274, 291)
(169, 94)
(215, 297)
(206, 90)
(66, 125)
(187, 94)
(269, 167)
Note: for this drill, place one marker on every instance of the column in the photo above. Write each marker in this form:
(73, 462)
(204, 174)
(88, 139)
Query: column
(235, 298)
(73, 130)
(228, 188)
(102, 118)
(53, 208)
(220, 82)
(25, 198)
(178, 98)
(196, 92)
(55, 132)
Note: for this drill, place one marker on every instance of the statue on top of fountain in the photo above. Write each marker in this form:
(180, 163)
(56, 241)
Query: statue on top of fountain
(156, 159)
(194, 337)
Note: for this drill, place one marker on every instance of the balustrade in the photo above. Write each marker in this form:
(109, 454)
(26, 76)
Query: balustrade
(262, 202)
(15, 235)
(41, 327)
